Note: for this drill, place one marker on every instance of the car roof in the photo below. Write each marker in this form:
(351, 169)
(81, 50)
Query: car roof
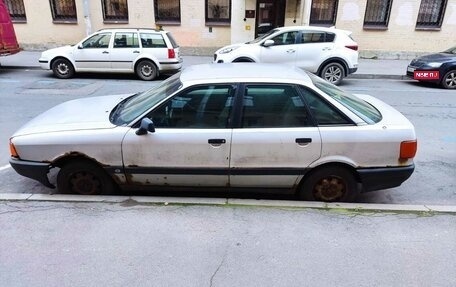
(133, 29)
(325, 29)
(244, 72)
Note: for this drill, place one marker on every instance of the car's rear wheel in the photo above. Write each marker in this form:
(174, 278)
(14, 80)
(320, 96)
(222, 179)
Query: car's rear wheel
(62, 69)
(329, 184)
(449, 80)
(84, 177)
(333, 73)
(146, 70)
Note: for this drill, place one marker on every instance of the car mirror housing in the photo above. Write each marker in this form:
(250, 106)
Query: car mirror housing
(268, 43)
(147, 125)
(80, 46)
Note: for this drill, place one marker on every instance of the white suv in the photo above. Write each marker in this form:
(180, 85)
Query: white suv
(330, 53)
(146, 52)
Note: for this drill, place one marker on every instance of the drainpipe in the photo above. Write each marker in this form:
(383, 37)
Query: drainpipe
(87, 21)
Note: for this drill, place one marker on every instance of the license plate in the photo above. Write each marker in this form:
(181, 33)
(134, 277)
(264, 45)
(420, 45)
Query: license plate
(426, 75)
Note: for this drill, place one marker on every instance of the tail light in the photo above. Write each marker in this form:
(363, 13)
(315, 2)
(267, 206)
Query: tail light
(13, 150)
(408, 149)
(171, 54)
(353, 47)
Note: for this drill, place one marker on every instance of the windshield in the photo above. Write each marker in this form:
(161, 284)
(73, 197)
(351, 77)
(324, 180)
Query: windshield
(262, 37)
(361, 108)
(451, 50)
(131, 108)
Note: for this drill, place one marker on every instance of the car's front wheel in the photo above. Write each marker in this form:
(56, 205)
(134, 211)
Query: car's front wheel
(62, 69)
(329, 184)
(84, 177)
(449, 80)
(146, 70)
(333, 73)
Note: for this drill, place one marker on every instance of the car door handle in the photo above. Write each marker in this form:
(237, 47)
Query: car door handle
(303, 141)
(291, 51)
(216, 141)
(105, 52)
(136, 52)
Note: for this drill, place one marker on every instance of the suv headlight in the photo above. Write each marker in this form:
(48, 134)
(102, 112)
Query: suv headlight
(227, 49)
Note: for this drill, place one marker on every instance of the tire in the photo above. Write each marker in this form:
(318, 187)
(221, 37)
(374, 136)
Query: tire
(449, 80)
(146, 70)
(62, 69)
(333, 73)
(329, 184)
(84, 177)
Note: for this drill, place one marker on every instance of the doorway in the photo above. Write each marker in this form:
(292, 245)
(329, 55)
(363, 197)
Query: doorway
(270, 15)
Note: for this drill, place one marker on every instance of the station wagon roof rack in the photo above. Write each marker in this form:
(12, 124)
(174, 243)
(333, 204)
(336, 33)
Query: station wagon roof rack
(137, 29)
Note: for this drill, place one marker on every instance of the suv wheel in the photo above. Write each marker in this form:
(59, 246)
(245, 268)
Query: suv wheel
(146, 70)
(449, 80)
(333, 73)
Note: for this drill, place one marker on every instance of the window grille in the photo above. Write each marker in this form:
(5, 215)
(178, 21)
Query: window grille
(431, 14)
(63, 10)
(167, 11)
(377, 13)
(218, 12)
(115, 11)
(16, 10)
(323, 12)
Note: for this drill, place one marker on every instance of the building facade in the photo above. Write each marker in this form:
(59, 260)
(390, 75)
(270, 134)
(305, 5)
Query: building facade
(382, 28)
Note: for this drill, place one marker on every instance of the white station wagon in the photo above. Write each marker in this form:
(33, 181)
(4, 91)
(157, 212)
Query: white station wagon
(263, 127)
(145, 52)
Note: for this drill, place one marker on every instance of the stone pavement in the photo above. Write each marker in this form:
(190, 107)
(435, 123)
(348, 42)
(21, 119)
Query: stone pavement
(368, 68)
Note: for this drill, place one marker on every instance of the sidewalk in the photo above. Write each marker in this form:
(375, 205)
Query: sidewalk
(368, 68)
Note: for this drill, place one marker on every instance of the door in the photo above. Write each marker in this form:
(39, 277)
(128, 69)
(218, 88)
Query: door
(271, 14)
(8, 41)
(93, 53)
(125, 50)
(191, 143)
(282, 51)
(313, 48)
(277, 140)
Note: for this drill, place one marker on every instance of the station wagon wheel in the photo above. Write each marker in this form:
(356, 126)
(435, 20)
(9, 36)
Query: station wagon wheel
(329, 184)
(62, 69)
(84, 177)
(449, 80)
(146, 70)
(333, 73)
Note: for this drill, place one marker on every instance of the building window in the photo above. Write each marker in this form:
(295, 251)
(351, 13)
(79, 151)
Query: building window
(167, 11)
(377, 14)
(431, 14)
(323, 12)
(16, 10)
(218, 12)
(115, 11)
(63, 11)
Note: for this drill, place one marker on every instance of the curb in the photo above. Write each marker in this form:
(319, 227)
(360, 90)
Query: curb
(424, 210)
(351, 76)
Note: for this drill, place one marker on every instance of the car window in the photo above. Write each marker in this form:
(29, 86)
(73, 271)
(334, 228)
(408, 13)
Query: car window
(203, 107)
(126, 40)
(323, 112)
(316, 37)
(271, 106)
(172, 40)
(451, 50)
(286, 38)
(152, 40)
(362, 109)
(100, 40)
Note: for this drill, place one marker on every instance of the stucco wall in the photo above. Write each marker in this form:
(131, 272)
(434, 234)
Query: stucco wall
(400, 40)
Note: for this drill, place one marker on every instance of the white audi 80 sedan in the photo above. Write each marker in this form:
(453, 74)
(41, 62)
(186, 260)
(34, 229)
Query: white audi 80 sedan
(145, 52)
(256, 127)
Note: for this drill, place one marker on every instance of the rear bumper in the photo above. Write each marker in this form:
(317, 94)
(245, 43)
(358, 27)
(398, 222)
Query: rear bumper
(34, 170)
(383, 178)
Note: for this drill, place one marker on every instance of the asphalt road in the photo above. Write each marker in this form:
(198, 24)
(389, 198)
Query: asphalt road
(26, 93)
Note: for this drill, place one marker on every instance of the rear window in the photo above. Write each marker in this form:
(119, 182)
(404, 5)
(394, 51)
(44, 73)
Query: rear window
(361, 108)
(171, 39)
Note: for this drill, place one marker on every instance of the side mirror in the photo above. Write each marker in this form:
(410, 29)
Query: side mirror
(268, 43)
(147, 125)
(80, 46)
